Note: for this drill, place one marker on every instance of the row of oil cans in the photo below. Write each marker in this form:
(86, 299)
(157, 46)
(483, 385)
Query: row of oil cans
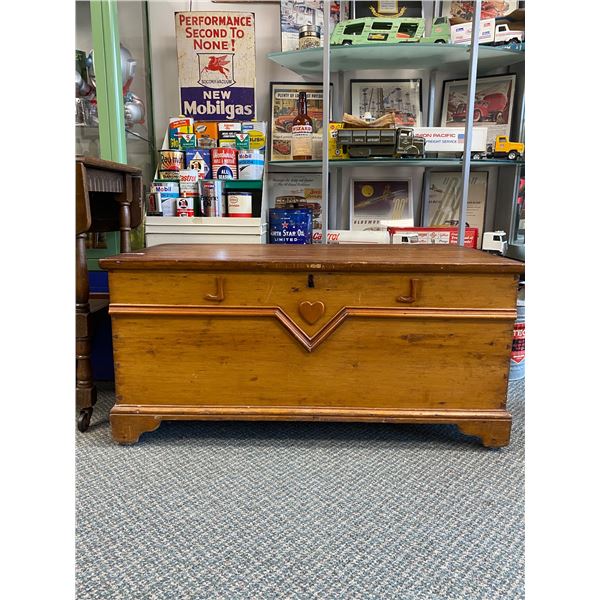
(208, 199)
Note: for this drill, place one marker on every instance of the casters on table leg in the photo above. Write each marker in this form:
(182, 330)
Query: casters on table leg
(84, 418)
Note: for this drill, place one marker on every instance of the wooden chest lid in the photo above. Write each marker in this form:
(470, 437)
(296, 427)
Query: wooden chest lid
(318, 257)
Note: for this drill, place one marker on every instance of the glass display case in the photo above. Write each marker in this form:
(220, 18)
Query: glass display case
(121, 130)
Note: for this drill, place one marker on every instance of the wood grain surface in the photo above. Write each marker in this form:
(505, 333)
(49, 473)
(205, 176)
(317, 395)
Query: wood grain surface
(314, 257)
(422, 334)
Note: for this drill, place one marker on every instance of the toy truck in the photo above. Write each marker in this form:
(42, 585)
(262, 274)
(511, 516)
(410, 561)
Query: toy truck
(451, 140)
(408, 144)
(376, 30)
(367, 142)
(440, 32)
(503, 147)
(489, 33)
(377, 142)
(494, 242)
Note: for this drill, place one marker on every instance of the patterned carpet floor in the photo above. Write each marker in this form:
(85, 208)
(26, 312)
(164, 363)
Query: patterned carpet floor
(298, 511)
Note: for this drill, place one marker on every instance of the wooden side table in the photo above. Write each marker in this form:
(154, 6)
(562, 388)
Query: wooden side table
(108, 198)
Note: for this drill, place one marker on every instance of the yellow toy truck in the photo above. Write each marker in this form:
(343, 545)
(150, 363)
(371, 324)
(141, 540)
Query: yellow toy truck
(504, 148)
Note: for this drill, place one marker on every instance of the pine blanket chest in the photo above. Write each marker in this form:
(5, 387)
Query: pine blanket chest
(418, 334)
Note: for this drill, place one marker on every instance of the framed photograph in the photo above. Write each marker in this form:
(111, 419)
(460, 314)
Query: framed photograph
(298, 190)
(443, 204)
(384, 8)
(284, 101)
(375, 200)
(381, 96)
(294, 14)
(489, 9)
(494, 103)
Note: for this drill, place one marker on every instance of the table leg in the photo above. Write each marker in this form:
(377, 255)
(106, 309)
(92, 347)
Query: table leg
(125, 215)
(85, 391)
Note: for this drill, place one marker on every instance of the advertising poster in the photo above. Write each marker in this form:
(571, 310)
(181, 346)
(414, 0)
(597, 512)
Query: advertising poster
(298, 190)
(386, 8)
(217, 65)
(400, 96)
(284, 108)
(494, 99)
(443, 208)
(489, 9)
(295, 13)
(373, 201)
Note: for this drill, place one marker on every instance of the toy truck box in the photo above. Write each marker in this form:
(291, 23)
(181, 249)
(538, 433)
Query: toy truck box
(452, 139)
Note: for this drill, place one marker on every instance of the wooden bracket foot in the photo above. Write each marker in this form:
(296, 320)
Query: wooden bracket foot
(126, 429)
(493, 433)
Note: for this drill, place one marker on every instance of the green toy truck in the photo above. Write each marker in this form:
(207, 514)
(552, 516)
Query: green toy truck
(375, 30)
(377, 142)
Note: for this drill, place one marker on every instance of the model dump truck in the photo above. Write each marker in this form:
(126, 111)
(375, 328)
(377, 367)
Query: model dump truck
(408, 144)
(489, 33)
(376, 142)
(504, 148)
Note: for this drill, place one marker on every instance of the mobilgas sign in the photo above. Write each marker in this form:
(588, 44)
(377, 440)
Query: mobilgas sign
(217, 65)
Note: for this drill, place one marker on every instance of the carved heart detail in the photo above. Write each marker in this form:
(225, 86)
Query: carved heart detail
(311, 312)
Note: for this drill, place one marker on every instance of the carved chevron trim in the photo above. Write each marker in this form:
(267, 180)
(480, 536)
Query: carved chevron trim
(307, 341)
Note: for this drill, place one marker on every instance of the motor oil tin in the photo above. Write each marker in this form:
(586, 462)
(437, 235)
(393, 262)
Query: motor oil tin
(171, 160)
(224, 163)
(212, 196)
(239, 204)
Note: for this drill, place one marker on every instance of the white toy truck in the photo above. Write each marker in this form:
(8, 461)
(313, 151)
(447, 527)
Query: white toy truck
(489, 33)
(494, 242)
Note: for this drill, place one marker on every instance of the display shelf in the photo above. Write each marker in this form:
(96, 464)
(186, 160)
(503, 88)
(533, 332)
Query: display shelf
(397, 162)
(400, 56)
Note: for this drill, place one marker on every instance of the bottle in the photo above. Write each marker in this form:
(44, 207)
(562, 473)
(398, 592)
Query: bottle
(302, 130)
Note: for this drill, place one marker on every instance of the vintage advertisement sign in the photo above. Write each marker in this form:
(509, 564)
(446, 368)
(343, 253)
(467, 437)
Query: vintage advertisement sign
(217, 65)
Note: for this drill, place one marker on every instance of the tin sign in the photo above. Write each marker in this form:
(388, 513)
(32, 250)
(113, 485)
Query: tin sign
(216, 57)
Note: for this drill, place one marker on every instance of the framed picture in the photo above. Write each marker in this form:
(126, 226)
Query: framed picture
(443, 203)
(489, 9)
(284, 101)
(294, 14)
(374, 200)
(381, 96)
(298, 190)
(494, 103)
(383, 8)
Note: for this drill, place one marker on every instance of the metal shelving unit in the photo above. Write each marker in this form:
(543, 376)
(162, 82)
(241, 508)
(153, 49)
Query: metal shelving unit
(474, 59)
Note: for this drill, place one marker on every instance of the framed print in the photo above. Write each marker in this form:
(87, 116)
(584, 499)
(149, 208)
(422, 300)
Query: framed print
(379, 97)
(298, 190)
(284, 100)
(384, 8)
(443, 203)
(295, 14)
(489, 9)
(374, 200)
(494, 103)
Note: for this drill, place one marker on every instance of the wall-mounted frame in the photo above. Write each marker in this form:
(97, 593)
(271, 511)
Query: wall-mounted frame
(494, 104)
(284, 98)
(403, 97)
(443, 200)
(387, 9)
(489, 10)
(294, 14)
(375, 199)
